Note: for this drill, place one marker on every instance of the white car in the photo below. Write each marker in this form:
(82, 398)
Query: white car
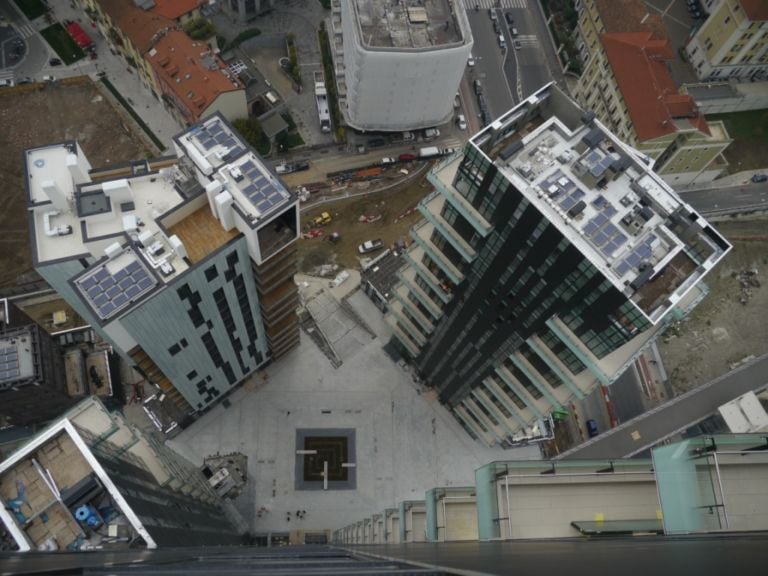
(370, 246)
(461, 122)
(49, 78)
(471, 61)
(408, 136)
(388, 160)
(431, 133)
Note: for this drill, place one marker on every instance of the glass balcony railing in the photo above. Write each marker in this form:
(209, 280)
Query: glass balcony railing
(480, 224)
(421, 234)
(430, 208)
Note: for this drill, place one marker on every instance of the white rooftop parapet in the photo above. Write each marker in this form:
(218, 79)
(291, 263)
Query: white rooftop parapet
(55, 194)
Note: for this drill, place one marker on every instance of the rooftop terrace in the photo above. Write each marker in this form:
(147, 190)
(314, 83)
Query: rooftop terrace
(626, 221)
(407, 24)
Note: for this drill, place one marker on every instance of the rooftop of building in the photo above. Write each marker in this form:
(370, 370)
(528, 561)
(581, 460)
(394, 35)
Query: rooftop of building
(121, 216)
(17, 362)
(213, 146)
(408, 24)
(174, 9)
(139, 25)
(630, 16)
(194, 74)
(756, 10)
(201, 234)
(58, 497)
(604, 199)
(653, 100)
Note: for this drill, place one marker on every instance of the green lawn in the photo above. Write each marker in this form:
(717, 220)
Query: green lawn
(31, 8)
(62, 44)
(749, 130)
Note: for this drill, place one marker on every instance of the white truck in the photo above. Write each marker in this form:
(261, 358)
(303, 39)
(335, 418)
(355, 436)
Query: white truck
(429, 152)
(321, 97)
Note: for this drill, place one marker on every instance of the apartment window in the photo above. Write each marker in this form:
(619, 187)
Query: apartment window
(727, 19)
(708, 44)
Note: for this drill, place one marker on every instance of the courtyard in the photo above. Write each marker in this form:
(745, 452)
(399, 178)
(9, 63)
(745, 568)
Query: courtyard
(405, 442)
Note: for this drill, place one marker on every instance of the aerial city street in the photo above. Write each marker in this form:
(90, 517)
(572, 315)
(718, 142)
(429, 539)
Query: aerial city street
(377, 286)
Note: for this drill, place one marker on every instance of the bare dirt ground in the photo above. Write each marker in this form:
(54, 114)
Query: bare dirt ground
(722, 331)
(55, 113)
(390, 204)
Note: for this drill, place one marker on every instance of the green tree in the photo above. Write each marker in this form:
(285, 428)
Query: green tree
(200, 29)
(250, 129)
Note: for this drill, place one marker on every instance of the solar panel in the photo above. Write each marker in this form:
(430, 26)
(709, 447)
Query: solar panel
(620, 239)
(599, 202)
(140, 274)
(577, 194)
(600, 239)
(236, 151)
(145, 283)
(132, 267)
(124, 284)
(250, 189)
(263, 206)
(114, 291)
(221, 138)
(633, 260)
(247, 166)
(101, 300)
(119, 300)
(590, 228)
(608, 249)
(106, 309)
(610, 229)
(610, 211)
(94, 291)
(600, 219)
(88, 282)
(101, 274)
(132, 291)
(209, 143)
(567, 203)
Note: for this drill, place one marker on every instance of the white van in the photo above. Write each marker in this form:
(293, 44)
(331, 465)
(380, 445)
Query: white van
(502, 42)
(461, 122)
(271, 97)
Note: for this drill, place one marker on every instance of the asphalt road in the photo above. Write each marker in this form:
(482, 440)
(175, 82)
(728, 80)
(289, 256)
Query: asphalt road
(527, 67)
(749, 196)
(34, 62)
(673, 416)
(489, 60)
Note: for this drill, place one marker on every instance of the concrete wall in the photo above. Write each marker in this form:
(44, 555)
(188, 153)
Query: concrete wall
(232, 105)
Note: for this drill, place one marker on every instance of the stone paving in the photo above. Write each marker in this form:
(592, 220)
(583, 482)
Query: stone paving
(406, 442)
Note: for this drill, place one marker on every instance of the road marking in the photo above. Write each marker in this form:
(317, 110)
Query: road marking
(26, 30)
(488, 4)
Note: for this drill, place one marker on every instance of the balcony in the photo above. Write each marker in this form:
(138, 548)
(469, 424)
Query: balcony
(483, 436)
(511, 426)
(401, 336)
(537, 379)
(519, 389)
(414, 256)
(493, 388)
(430, 208)
(401, 294)
(413, 331)
(480, 224)
(408, 279)
(421, 234)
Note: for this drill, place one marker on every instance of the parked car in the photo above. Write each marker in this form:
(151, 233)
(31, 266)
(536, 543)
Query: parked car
(49, 78)
(513, 31)
(388, 160)
(6, 83)
(510, 20)
(24, 80)
(406, 157)
(461, 122)
(457, 101)
(518, 44)
(592, 428)
(409, 136)
(471, 61)
(54, 62)
(493, 14)
(757, 178)
(431, 133)
(370, 246)
(502, 42)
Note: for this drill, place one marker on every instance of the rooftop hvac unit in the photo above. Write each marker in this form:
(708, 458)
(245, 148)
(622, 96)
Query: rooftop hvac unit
(224, 210)
(113, 250)
(178, 246)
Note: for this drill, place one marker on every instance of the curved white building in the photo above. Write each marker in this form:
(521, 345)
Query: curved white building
(398, 63)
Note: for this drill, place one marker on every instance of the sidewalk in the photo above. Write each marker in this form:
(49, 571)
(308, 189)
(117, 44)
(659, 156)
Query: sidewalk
(124, 78)
(738, 179)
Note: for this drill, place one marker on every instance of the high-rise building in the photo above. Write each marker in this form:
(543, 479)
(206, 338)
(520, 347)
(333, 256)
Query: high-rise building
(398, 65)
(91, 480)
(549, 257)
(627, 83)
(32, 385)
(732, 42)
(183, 264)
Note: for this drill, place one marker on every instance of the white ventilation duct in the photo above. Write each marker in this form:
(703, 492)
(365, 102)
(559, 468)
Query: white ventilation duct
(224, 211)
(55, 195)
(118, 191)
(178, 246)
(77, 169)
(113, 250)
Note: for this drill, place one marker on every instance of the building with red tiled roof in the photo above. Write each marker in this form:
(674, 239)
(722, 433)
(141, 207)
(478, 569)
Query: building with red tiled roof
(732, 42)
(180, 11)
(130, 30)
(194, 82)
(628, 86)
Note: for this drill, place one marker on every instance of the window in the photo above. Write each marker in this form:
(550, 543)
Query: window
(211, 273)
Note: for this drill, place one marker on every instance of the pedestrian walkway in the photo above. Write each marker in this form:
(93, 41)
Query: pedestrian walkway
(25, 30)
(488, 4)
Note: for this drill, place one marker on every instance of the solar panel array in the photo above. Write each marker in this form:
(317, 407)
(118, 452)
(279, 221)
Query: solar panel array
(597, 163)
(109, 293)
(9, 364)
(641, 253)
(262, 193)
(603, 233)
(214, 135)
(559, 186)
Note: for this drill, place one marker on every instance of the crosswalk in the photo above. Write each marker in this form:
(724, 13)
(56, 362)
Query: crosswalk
(527, 40)
(25, 30)
(487, 4)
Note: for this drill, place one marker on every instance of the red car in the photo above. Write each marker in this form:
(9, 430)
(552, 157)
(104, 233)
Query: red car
(406, 157)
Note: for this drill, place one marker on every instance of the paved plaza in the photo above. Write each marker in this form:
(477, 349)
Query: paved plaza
(405, 441)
